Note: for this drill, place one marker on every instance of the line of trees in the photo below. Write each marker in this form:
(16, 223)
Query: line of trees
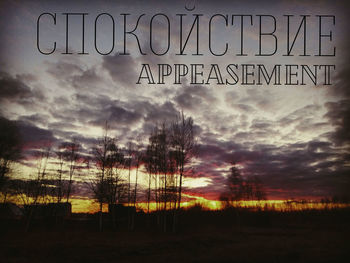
(169, 153)
(240, 188)
(165, 160)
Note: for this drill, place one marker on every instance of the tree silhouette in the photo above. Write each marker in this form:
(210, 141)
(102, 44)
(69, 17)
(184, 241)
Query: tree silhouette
(235, 184)
(10, 148)
(58, 192)
(36, 190)
(183, 145)
(138, 156)
(67, 156)
(150, 166)
(71, 157)
(183, 149)
(239, 188)
(169, 151)
(102, 155)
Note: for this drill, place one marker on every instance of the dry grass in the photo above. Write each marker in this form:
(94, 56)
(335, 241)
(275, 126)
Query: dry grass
(322, 237)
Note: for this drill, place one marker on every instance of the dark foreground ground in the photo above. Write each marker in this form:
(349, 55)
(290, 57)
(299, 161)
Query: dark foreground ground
(309, 236)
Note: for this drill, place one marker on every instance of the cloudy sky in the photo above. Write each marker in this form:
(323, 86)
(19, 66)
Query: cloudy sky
(295, 138)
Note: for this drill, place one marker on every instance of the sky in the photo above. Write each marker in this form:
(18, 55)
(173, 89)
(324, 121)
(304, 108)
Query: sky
(294, 138)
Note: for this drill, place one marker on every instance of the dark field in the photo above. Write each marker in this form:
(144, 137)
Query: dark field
(203, 236)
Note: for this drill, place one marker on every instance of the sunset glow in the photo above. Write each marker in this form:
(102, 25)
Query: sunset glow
(89, 206)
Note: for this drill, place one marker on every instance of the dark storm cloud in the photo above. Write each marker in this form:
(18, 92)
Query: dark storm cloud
(301, 167)
(214, 157)
(339, 116)
(153, 114)
(223, 153)
(339, 112)
(118, 114)
(86, 142)
(15, 90)
(102, 108)
(314, 169)
(11, 88)
(121, 69)
(70, 73)
(27, 78)
(33, 136)
(88, 79)
(123, 116)
(194, 97)
(157, 113)
(19, 91)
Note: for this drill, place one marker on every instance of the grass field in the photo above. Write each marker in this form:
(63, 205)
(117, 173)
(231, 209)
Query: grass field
(203, 236)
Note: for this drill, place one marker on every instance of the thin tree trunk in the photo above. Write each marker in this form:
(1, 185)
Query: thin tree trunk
(165, 204)
(135, 193)
(149, 193)
(180, 190)
(129, 197)
(101, 218)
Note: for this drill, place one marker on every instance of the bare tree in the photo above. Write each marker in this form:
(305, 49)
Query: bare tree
(150, 169)
(108, 187)
(115, 185)
(101, 154)
(160, 162)
(71, 157)
(36, 188)
(163, 168)
(67, 160)
(128, 164)
(153, 165)
(138, 156)
(167, 158)
(59, 182)
(184, 147)
(42, 162)
(10, 148)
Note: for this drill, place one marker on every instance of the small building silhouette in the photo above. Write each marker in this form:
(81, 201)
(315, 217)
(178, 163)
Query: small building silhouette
(50, 210)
